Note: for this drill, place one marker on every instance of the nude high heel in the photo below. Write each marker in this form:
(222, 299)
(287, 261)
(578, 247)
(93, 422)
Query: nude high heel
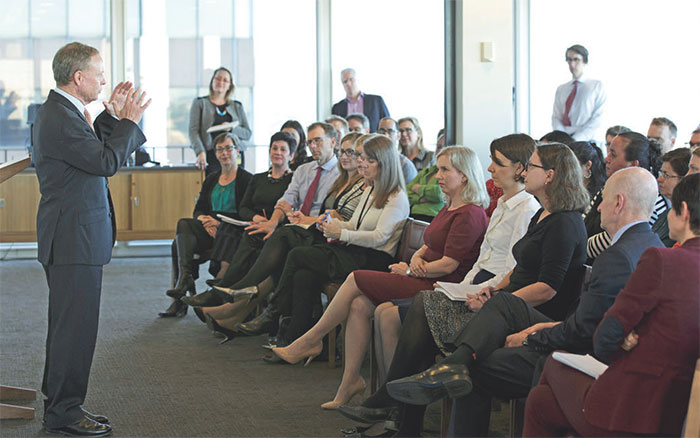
(284, 354)
(358, 389)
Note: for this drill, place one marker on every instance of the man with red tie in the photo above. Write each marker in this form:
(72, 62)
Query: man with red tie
(578, 104)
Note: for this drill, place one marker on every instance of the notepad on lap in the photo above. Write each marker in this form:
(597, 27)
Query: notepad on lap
(230, 220)
(457, 291)
(585, 363)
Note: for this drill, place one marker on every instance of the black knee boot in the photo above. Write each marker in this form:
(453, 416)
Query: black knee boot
(185, 244)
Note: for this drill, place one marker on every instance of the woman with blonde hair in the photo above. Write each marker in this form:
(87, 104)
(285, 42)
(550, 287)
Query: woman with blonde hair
(451, 247)
(411, 143)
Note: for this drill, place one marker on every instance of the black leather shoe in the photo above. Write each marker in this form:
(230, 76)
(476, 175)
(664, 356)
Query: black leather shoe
(266, 322)
(362, 414)
(437, 382)
(84, 427)
(213, 282)
(214, 326)
(95, 417)
(177, 308)
(208, 298)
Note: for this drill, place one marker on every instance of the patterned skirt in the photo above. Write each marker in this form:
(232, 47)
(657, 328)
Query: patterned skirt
(446, 318)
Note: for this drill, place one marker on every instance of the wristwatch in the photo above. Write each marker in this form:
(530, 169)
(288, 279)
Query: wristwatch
(408, 271)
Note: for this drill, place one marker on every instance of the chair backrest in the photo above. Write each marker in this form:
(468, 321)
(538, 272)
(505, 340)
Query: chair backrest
(411, 238)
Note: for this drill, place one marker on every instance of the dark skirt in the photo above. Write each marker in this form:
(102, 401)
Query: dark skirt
(228, 236)
(343, 259)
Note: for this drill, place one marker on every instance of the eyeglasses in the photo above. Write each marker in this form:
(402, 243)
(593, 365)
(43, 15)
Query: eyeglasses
(366, 159)
(406, 130)
(691, 144)
(316, 141)
(225, 149)
(666, 175)
(386, 131)
(577, 59)
(528, 165)
(349, 152)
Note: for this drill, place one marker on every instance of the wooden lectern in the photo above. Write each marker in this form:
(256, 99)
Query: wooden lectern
(7, 171)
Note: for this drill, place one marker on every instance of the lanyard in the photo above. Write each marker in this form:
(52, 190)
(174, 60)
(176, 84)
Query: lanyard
(362, 212)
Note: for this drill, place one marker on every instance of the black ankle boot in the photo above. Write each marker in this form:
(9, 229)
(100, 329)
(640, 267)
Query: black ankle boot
(185, 245)
(266, 322)
(177, 308)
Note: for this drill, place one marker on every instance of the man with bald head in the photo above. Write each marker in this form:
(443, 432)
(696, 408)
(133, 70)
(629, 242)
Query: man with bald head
(499, 349)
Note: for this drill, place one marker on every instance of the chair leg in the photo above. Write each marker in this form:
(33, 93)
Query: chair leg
(331, 348)
(373, 366)
(517, 417)
(445, 412)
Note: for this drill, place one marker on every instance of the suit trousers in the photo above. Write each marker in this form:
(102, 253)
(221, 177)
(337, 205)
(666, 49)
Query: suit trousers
(500, 372)
(74, 307)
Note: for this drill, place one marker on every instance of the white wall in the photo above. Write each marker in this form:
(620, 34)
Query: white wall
(484, 102)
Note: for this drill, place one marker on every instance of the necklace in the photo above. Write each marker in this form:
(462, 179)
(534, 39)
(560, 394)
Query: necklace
(220, 112)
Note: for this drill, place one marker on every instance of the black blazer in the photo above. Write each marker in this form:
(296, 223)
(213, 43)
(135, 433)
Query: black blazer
(203, 205)
(374, 108)
(75, 220)
(609, 274)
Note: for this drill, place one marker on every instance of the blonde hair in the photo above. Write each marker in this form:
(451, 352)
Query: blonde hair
(414, 122)
(467, 163)
(389, 176)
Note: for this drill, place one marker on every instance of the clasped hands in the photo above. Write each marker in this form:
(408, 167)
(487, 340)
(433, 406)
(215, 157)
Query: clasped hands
(418, 267)
(209, 223)
(476, 301)
(127, 102)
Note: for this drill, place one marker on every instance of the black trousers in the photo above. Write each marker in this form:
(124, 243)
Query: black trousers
(498, 371)
(74, 307)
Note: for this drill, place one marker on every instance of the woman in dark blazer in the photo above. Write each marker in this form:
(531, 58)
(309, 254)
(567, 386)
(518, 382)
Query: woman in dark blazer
(650, 337)
(221, 193)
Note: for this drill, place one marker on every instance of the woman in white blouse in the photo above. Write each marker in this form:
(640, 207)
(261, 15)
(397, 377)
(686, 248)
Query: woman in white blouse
(368, 241)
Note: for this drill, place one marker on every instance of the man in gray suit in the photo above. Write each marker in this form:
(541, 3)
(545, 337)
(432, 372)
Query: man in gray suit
(75, 222)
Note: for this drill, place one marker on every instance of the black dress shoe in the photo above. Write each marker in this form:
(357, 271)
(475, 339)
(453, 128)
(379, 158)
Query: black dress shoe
(213, 282)
(214, 326)
(266, 322)
(437, 382)
(208, 298)
(95, 417)
(200, 314)
(368, 415)
(176, 308)
(84, 427)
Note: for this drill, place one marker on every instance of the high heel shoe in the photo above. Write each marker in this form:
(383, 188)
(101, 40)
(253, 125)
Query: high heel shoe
(208, 298)
(251, 292)
(214, 326)
(283, 353)
(184, 284)
(359, 389)
(211, 282)
(176, 309)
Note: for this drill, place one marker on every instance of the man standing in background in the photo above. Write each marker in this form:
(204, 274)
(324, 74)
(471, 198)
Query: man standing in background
(356, 101)
(76, 228)
(578, 104)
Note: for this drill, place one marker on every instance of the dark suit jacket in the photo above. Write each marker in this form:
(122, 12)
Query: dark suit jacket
(374, 108)
(646, 390)
(75, 221)
(609, 274)
(203, 205)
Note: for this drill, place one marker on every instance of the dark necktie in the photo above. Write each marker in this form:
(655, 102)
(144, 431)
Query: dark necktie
(569, 102)
(309, 199)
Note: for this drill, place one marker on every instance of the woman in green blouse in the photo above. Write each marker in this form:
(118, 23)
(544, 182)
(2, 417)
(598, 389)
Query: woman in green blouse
(424, 193)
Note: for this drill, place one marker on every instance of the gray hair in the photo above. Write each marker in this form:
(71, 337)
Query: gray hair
(361, 117)
(69, 59)
(347, 70)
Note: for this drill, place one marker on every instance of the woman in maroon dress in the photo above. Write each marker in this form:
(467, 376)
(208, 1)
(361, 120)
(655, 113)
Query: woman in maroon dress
(451, 247)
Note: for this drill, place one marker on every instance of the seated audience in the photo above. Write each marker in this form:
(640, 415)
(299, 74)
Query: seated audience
(252, 265)
(674, 167)
(664, 132)
(340, 125)
(300, 156)
(612, 132)
(368, 241)
(508, 224)
(694, 165)
(557, 137)
(626, 150)
(358, 123)
(424, 193)
(221, 193)
(389, 128)
(650, 339)
(411, 143)
(451, 247)
(549, 261)
(592, 165)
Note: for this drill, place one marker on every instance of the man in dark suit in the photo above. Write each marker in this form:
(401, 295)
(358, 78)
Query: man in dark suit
(356, 101)
(75, 222)
(499, 349)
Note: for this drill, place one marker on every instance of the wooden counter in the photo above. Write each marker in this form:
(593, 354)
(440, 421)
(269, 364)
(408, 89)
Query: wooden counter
(147, 202)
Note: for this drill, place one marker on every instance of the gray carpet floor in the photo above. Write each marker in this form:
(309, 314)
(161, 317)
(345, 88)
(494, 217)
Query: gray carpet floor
(167, 377)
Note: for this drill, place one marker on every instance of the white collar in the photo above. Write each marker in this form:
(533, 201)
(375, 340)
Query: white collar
(72, 99)
(515, 200)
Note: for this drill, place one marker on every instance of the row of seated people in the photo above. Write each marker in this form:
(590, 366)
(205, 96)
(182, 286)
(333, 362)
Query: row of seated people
(298, 280)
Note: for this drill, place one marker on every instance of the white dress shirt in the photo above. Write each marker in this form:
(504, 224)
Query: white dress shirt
(586, 110)
(302, 179)
(508, 224)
